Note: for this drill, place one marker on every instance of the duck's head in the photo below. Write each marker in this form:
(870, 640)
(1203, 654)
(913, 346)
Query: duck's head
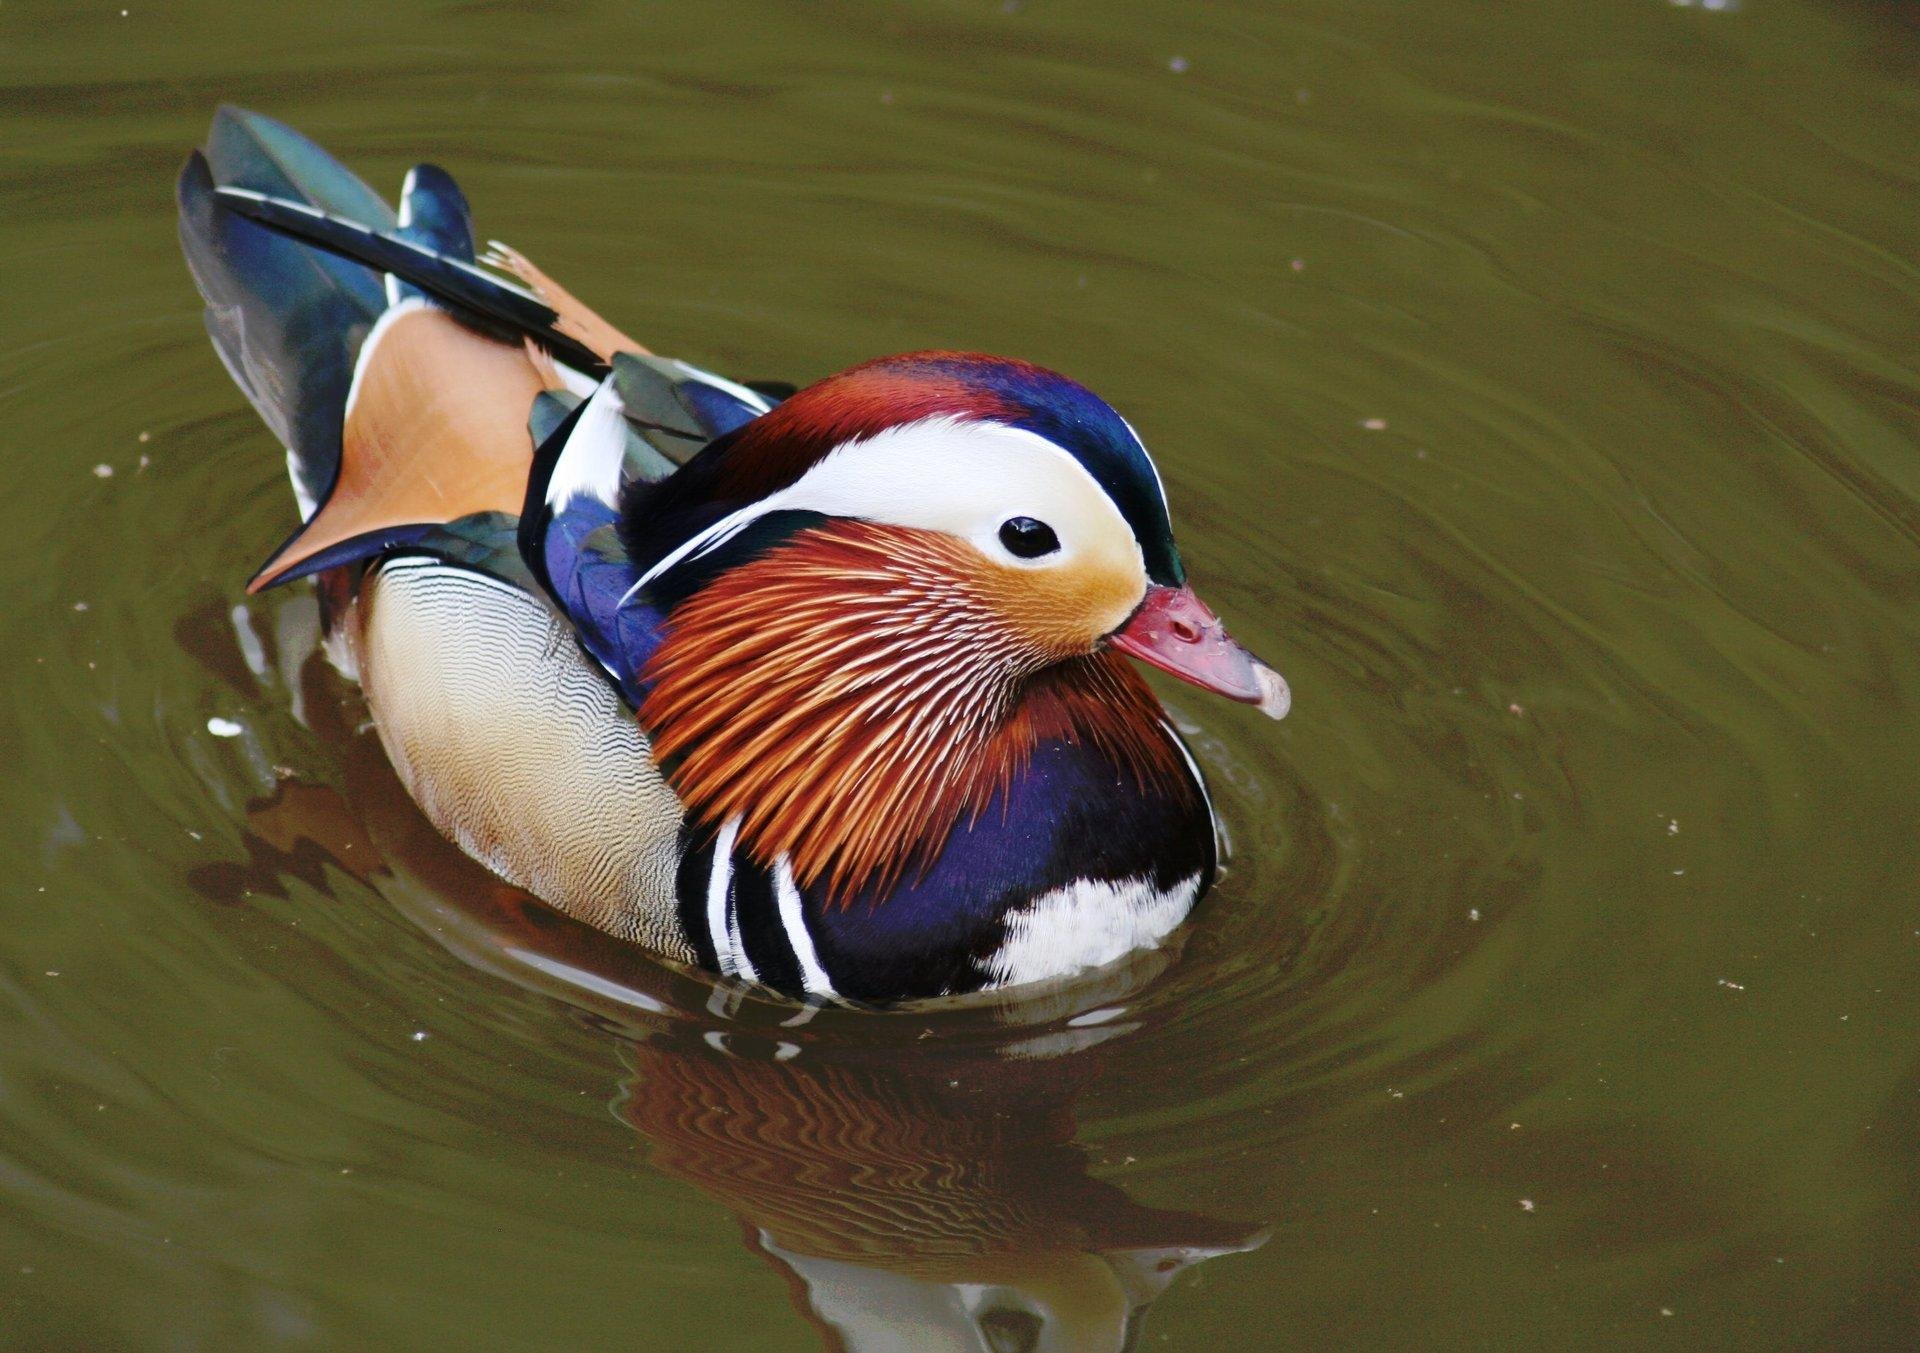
(890, 561)
(1032, 493)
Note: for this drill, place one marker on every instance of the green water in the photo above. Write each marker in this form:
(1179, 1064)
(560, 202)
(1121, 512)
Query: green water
(1537, 385)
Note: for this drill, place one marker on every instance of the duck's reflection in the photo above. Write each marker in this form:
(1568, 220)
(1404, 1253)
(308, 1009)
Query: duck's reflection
(931, 1201)
(915, 1177)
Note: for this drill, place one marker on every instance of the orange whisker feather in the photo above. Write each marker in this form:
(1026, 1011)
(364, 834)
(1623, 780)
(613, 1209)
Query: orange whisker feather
(855, 694)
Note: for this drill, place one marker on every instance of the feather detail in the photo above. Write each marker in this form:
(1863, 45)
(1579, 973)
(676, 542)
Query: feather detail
(543, 365)
(454, 282)
(435, 429)
(855, 693)
(575, 319)
(773, 451)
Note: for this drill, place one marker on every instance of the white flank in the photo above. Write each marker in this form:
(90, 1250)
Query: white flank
(595, 455)
(1086, 924)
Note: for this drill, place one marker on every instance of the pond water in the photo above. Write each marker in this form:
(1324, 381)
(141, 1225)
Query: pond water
(1537, 385)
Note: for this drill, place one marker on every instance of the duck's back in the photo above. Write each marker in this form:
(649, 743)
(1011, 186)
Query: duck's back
(408, 445)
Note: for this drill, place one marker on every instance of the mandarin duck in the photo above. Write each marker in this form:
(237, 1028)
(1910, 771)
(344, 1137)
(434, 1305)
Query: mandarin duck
(824, 690)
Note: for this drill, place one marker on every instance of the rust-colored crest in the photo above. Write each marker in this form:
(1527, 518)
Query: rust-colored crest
(855, 693)
(775, 449)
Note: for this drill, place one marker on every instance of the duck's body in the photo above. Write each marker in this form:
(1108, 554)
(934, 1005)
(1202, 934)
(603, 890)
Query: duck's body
(520, 750)
(738, 682)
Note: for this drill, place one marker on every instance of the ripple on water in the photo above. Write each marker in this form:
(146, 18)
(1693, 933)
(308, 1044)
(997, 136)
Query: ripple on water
(1548, 421)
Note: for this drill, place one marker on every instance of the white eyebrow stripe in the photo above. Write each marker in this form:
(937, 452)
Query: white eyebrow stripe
(898, 477)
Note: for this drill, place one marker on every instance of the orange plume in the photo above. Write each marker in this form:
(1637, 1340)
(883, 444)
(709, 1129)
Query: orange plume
(854, 693)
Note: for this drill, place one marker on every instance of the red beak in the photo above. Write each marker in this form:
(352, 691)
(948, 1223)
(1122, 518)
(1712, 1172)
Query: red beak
(1174, 630)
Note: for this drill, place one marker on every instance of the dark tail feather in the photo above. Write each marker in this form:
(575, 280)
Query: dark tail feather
(287, 321)
(433, 215)
(472, 293)
(247, 150)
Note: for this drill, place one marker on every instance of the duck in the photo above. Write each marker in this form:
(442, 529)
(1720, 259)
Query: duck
(832, 691)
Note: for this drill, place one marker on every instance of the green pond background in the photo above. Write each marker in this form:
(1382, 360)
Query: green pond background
(1537, 385)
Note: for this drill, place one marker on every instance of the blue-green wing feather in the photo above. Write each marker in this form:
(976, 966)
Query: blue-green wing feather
(287, 321)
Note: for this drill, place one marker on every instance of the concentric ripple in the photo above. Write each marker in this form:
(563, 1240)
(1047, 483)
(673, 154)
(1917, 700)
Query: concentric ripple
(1535, 387)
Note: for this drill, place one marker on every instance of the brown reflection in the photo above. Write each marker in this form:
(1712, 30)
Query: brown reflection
(917, 1201)
(915, 1176)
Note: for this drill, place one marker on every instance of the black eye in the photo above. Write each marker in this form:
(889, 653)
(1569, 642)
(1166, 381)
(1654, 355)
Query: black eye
(1026, 538)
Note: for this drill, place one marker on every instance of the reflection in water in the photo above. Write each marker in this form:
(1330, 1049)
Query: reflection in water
(913, 1174)
(924, 1201)
(1553, 418)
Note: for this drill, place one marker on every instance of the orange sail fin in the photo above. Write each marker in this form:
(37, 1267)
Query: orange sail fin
(436, 429)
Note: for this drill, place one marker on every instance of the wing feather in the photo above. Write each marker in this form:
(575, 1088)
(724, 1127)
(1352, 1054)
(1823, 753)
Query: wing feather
(435, 429)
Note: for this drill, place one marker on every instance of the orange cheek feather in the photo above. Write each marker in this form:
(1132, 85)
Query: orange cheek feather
(1064, 611)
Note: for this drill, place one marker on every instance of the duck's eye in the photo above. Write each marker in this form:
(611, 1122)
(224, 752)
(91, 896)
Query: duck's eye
(1026, 538)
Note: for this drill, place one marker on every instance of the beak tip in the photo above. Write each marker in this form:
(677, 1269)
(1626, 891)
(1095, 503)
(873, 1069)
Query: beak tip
(1275, 698)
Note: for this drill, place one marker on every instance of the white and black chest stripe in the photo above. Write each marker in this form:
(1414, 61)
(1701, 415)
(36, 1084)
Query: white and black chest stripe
(751, 923)
(748, 922)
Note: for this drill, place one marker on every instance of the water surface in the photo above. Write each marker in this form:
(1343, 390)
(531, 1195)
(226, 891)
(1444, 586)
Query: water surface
(1535, 384)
